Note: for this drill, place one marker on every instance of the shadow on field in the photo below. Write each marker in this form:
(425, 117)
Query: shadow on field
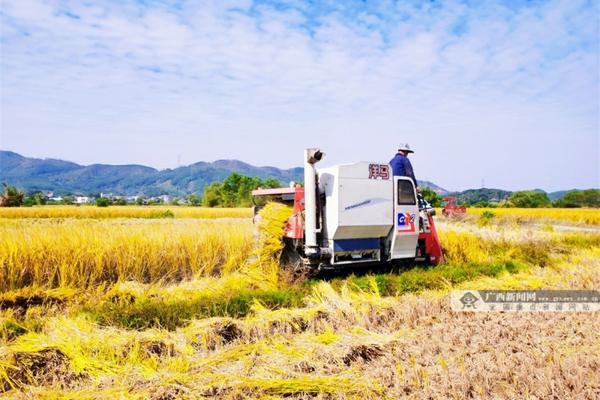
(372, 269)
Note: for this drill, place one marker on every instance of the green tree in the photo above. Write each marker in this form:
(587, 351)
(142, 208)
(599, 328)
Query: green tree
(212, 195)
(432, 197)
(11, 196)
(102, 202)
(139, 201)
(270, 183)
(194, 199)
(527, 199)
(68, 200)
(40, 199)
(235, 191)
(580, 198)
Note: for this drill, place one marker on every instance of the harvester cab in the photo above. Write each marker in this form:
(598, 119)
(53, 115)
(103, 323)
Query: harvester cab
(355, 214)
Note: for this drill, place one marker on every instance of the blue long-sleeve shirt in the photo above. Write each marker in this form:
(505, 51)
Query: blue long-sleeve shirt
(401, 166)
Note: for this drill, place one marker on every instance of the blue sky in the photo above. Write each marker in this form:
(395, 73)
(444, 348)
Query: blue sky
(504, 92)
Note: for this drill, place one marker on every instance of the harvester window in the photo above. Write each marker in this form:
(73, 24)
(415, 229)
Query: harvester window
(406, 193)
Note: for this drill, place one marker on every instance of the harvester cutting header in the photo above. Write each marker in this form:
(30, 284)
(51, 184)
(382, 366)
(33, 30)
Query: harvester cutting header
(355, 214)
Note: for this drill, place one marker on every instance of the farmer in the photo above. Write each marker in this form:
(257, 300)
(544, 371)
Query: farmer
(401, 165)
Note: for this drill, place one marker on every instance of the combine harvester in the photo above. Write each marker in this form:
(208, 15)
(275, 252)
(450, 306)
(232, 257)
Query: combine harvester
(452, 209)
(354, 215)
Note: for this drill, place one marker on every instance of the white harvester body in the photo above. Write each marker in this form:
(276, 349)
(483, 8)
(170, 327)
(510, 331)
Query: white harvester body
(362, 217)
(352, 214)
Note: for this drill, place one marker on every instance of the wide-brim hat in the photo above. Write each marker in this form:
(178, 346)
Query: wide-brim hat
(405, 147)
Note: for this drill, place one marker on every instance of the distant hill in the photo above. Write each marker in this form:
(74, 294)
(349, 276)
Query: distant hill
(439, 190)
(60, 177)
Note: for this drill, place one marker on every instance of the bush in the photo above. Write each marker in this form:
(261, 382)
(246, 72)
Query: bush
(529, 199)
(11, 197)
(212, 195)
(485, 204)
(486, 217)
(68, 200)
(194, 199)
(102, 202)
(36, 199)
(487, 214)
(167, 214)
(580, 198)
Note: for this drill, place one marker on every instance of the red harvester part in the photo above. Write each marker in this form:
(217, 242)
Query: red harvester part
(433, 248)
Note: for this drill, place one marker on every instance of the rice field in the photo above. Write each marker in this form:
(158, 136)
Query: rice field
(87, 252)
(88, 211)
(581, 216)
(113, 305)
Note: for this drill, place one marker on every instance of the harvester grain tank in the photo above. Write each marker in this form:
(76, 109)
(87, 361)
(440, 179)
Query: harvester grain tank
(355, 214)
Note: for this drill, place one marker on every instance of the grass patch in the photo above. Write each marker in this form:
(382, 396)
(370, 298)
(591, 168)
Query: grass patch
(423, 278)
(161, 312)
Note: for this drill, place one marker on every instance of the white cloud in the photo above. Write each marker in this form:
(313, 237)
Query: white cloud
(483, 92)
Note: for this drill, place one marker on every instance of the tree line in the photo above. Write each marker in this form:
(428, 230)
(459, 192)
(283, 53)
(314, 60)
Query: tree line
(529, 199)
(236, 189)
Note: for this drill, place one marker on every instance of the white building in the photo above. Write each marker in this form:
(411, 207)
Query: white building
(82, 200)
(165, 198)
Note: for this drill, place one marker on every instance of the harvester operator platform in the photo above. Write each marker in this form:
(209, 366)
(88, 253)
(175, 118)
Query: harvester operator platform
(401, 165)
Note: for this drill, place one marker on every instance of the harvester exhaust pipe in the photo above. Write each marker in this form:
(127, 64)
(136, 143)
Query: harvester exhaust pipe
(311, 157)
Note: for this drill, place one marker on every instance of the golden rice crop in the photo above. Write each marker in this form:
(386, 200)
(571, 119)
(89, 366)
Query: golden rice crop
(589, 216)
(266, 256)
(86, 252)
(343, 342)
(123, 212)
(472, 244)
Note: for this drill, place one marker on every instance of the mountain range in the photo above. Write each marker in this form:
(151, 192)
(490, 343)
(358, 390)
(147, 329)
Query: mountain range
(65, 177)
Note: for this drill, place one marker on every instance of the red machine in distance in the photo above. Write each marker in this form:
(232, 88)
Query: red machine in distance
(451, 207)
